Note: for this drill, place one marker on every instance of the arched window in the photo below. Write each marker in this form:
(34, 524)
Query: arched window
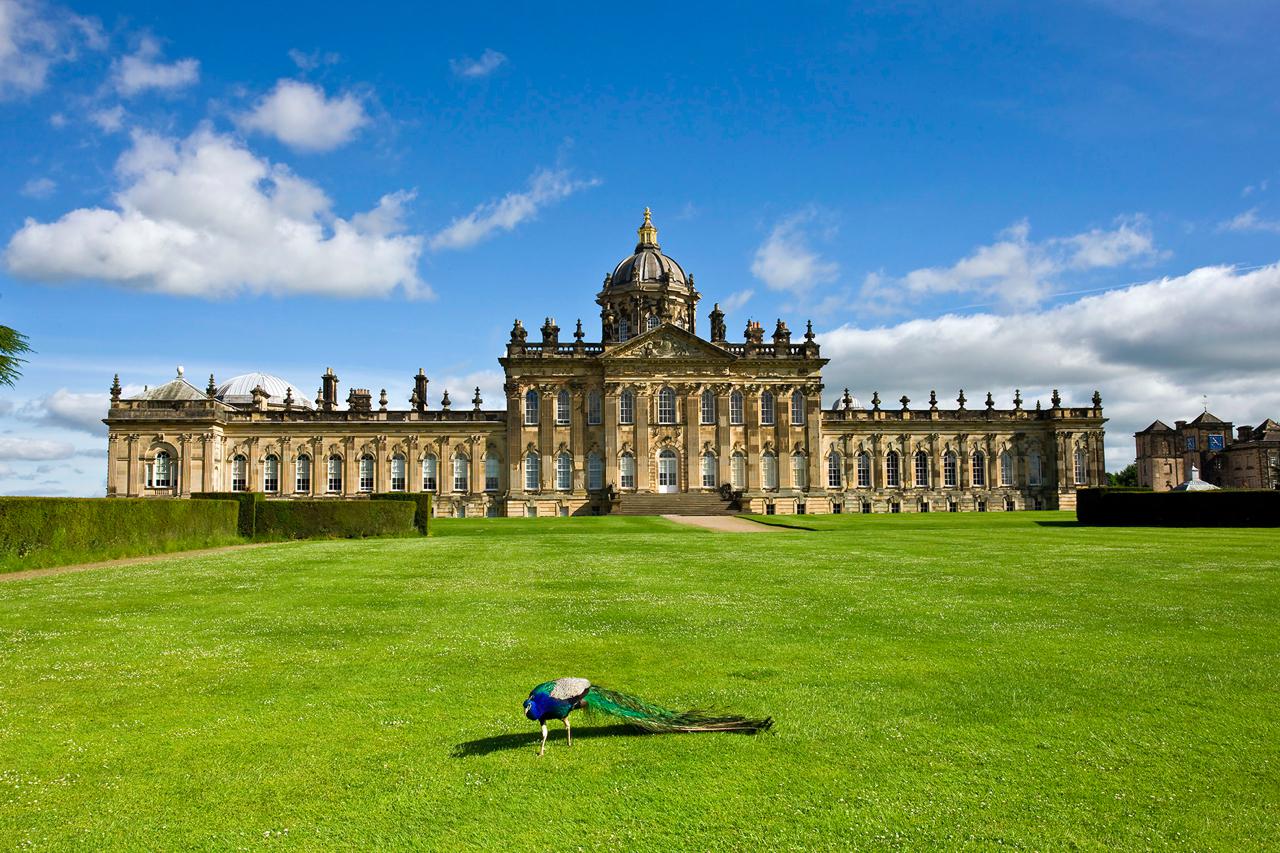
(864, 470)
(978, 468)
(766, 408)
(532, 472)
(1035, 469)
(738, 470)
(594, 410)
(891, 469)
(652, 322)
(160, 473)
(302, 475)
(799, 470)
(709, 475)
(627, 407)
(531, 407)
(624, 329)
(666, 406)
(735, 408)
(335, 474)
(562, 408)
(564, 471)
(271, 474)
(239, 474)
(950, 470)
(922, 469)
(708, 407)
(595, 472)
(768, 470)
(430, 473)
(627, 470)
(461, 464)
(797, 408)
(366, 473)
(491, 471)
(1081, 471)
(1006, 469)
(835, 471)
(397, 473)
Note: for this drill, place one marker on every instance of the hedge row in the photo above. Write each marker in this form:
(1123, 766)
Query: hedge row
(422, 500)
(321, 519)
(248, 502)
(1219, 508)
(40, 532)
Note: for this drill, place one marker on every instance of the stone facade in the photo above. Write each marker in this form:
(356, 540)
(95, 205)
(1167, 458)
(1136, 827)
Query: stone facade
(1249, 459)
(650, 409)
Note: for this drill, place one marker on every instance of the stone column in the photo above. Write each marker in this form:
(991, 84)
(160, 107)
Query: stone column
(577, 436)
(478, 451)
(643, 461)
(753, 443)
(547, 436)
(611, 441)
(723, 440)
(693, 447)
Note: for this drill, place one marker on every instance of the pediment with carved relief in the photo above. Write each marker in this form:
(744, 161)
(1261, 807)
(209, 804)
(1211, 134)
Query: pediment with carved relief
(668, 342)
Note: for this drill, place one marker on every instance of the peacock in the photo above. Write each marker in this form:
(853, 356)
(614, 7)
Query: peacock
(553, 700)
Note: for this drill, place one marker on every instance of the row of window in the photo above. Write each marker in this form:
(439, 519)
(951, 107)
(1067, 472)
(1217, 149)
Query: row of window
(666, 408)
(460, 469)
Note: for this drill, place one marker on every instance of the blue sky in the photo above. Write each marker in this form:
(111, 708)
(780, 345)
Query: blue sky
(980, 195)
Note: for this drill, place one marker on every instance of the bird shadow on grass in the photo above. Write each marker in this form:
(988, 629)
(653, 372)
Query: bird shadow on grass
(521, 740)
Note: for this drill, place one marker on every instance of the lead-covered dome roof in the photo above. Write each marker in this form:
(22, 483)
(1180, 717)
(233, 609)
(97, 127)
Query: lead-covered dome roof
(648, 263)
(238, 390)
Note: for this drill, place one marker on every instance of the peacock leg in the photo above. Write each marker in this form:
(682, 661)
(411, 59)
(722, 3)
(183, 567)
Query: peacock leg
(568, 732)
(543, 748)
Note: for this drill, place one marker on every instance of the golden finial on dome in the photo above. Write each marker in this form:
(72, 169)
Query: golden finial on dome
(648, 234)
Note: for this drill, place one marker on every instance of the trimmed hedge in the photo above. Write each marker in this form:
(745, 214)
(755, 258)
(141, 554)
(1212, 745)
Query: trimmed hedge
(1219, 508)
(333, 519)
(247, 502)
(40, 532)
(422, 500)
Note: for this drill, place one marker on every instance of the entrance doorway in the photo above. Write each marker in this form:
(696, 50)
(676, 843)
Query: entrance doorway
(668, 482)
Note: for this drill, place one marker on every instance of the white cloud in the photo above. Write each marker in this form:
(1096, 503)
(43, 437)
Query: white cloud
(1259, 187)
(1017, 271)
(545, 187)
(35, 37)
(489, 62)
(144, 70)
(784, 260)
(34, 449)
(38, 188)
(1250, 221)
(311, 61)
(1152, 349)
(69, 410)
(109, 120)
(204, 216)
(300, 116)
(735, 301)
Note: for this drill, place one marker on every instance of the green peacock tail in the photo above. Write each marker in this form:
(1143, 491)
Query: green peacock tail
(655, 718)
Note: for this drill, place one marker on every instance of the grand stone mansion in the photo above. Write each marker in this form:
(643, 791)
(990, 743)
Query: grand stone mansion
(652, 415)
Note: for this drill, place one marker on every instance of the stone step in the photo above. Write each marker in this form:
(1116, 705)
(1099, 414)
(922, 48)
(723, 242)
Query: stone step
(673, 504)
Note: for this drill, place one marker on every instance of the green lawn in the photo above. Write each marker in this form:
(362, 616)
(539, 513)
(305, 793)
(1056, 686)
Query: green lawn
(990, 680)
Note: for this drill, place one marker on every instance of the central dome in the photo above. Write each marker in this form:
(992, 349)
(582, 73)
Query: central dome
(238, 390)
(648, 263)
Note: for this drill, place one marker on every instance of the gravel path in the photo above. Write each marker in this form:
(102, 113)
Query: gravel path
(725, 523)
(125, 561)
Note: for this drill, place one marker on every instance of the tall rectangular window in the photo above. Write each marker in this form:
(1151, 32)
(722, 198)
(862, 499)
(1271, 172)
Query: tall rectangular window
(460, 466)
(891, 468)
(767, 412)
(1035, 469)
(738, 470)
(627, 408)
(491, 472)
(271, 474)
(335, 474)
(531, 407)
(302, 475)
(708, 407)
(979, 469)
(1006, 469)
(532, 473)
(950, 470)
(708, 471)
(864, 471)
(397, 473)
(593, 408)
(562, 408)
(799, 471)
(366, 473)
(1081, 470)
(922, 470)
(429, 473)
(666, 406)
(834, 474)
(735, 408)
(239, 474)
(797, 408)
(627, 471)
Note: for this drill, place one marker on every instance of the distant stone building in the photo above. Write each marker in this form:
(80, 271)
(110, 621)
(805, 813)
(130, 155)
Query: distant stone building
(651, 417)
(1248, 460)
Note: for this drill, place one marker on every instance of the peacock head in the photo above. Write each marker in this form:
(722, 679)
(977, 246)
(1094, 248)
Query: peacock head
(531, 709)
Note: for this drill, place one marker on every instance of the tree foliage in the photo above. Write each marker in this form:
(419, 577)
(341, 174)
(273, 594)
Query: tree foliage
(1128, 476)
(13, 344)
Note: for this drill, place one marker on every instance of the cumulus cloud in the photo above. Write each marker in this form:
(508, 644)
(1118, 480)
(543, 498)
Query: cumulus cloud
(204, 216)
(1250, 221)
(300, 116)
(1151, 349)
(784, 260)
(313, 60)
(68, 409)
(1017, 271)
(145, 70)
(35, 37)
(545, 187)
(38, 188)
(489, 62)
(34, 449)
(736, 300)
